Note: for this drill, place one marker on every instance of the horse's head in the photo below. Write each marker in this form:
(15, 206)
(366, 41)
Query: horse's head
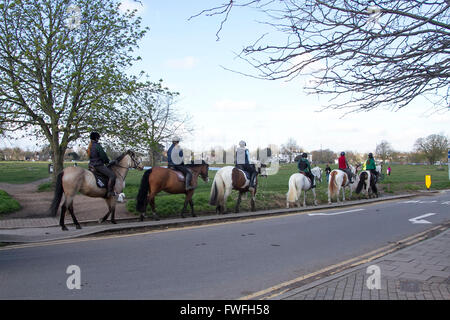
(260, 168)
(134, 161)
(204, 167)
(317, 172)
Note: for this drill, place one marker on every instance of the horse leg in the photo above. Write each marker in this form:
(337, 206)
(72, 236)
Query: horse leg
(314, 194)
(101, 220)
(238, 203)
(304, 198)
(252, 201)
(112, 209)
(191, 203)
(153, 207)
(61, 219)
(75, 221)
(343, 194)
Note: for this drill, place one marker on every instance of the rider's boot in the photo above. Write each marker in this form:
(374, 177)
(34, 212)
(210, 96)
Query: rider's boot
(252, 182)
(111, 192)
(188, 182)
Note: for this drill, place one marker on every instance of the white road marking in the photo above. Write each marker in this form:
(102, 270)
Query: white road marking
(420, 220)
(333, 213)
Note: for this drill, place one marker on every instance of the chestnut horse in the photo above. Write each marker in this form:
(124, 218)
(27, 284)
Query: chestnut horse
(76, 179)
(159, 179)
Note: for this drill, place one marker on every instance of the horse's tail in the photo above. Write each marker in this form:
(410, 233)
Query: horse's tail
(217, 190)
(292, 193)
(144, 189)
(332, 186)
(59, 190)
(362, 178)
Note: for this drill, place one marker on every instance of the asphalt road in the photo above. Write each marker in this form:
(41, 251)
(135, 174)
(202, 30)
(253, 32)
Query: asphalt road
(223, 261)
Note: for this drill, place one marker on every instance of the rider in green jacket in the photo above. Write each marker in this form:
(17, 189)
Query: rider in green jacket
(371, 166)
(305, 167)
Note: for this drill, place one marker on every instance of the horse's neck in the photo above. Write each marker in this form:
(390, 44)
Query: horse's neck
(121, 169)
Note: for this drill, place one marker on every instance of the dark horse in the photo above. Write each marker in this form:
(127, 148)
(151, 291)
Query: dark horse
(159, 179)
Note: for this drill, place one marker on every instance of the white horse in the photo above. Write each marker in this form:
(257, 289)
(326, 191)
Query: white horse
(339, 180)
(223, 185)
(367, 184)
(299, 182)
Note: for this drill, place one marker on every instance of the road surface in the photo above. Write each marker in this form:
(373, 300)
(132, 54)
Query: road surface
(222, 261)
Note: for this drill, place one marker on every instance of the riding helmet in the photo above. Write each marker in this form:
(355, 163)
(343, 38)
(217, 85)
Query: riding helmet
(95, 136)
(176, 139)
(370, 155)
(304, 155)
(242, 143)
(342, 153)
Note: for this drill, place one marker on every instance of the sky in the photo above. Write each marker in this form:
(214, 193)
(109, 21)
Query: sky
(227, 107)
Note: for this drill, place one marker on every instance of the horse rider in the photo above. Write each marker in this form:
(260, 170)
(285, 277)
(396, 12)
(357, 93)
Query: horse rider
(305, 167)
(328, 171)
(242, 161)
(175, 161)
(98, 159)
(371, 166)
(343, 165)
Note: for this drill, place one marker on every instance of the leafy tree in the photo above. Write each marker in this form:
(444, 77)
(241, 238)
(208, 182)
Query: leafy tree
(369, 54)
(434, 147)
(323, 156)
(62, 67)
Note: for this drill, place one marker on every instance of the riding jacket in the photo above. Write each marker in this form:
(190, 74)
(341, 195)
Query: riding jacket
(342, 162)
(172, 152)
(242, 156)
(97, 156)
(304, 166)
(371, 164)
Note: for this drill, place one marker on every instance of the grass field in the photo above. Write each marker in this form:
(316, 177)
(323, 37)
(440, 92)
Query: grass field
(7, 204)
(271, 190)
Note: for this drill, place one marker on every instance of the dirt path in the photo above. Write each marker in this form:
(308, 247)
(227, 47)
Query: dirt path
(36, 204)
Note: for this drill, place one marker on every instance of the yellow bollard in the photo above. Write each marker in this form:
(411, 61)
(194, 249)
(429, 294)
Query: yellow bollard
(428, 181)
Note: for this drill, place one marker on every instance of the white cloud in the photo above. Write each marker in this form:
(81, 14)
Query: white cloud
(186, 63)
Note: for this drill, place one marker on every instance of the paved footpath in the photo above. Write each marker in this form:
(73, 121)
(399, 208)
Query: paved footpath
(418, 272)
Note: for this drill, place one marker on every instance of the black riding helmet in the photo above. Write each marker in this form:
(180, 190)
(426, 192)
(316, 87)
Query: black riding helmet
(370, 155)
(95, 136)
(342, 153)
(304, 155)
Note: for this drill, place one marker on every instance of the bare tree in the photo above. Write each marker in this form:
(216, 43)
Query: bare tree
(433, 147)
(384, 150)
(290, 148)
(323, 156)
(365, 54)
(150, 118)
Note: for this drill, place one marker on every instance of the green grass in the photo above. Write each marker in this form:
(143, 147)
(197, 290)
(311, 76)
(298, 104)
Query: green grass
(7, 203)
(271, 190)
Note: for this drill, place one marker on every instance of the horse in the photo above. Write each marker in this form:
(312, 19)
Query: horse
(231, 178)
(298, 182)
(367, 184)
(339, 179)
(72, 180)
(159, 179)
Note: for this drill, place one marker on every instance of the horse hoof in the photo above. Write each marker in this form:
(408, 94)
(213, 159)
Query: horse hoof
(100, 220)
(64, 228)
(194, 215)
(113, 222)
(141, 218)
(78, 226)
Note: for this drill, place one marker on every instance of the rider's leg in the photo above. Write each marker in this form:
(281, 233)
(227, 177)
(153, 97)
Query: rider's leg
(111, 179)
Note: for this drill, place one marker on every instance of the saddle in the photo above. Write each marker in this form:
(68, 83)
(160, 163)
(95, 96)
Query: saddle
(235, 177)
(179, 174)
(301, 172)
(100, 179)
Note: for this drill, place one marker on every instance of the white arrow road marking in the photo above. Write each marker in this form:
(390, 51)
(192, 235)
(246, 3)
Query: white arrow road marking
(334, 213)
(420, 220)
(446, 202)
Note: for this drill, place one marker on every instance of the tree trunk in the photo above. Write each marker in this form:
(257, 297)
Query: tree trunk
(58, 162)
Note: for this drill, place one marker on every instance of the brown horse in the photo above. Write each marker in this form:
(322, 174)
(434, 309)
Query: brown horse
(230, 178)
(75, 179)
(163, 179)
